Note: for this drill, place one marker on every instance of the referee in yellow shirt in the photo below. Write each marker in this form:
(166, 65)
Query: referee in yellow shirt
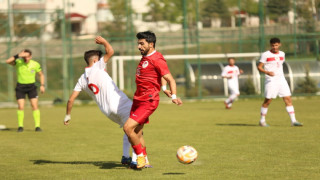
(27, 69)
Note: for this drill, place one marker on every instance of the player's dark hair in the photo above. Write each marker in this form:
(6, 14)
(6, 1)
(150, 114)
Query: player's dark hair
(274, 40)
(149, 36)
(90, 53)
(28, 51)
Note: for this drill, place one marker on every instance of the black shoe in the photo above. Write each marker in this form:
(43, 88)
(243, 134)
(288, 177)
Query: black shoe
(38, 129)
(20, 129)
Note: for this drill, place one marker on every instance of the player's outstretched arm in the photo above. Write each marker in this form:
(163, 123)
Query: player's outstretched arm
(173, 88)
(12, 59)
(72, 97)
(260, 68)
(108, 48)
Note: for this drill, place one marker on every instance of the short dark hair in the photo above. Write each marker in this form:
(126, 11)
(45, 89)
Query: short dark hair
(274, 40)
(149, 36)
(91, 53)
(28, 51)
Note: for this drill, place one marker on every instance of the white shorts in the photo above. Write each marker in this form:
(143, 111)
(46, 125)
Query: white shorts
(276, 87)
(234, 89)
(121, 114)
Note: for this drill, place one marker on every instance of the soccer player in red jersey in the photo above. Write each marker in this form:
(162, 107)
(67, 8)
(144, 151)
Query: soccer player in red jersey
(151, 72)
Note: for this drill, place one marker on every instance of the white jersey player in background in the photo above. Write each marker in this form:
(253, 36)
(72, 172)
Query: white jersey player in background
(97, 83)
(275, 83)
(231, 72)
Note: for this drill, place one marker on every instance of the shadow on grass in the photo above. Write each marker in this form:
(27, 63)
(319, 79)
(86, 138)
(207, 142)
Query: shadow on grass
(173, 173)
(101, 164)
(237, 124)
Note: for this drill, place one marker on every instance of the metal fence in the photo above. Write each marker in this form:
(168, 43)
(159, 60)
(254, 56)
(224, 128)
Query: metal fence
(62, 56)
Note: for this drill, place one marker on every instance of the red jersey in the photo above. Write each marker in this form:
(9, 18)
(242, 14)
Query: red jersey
(148, 76)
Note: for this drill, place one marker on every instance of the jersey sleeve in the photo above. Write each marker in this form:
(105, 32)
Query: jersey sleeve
(224, 72)
(161, 66)
(238, 71)
(38, 67)
(78, 86)
(263, 58)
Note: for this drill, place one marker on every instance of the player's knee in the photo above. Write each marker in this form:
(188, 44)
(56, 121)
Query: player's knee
(127, 129)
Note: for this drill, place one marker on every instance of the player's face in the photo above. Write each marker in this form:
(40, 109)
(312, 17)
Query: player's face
(27, 58)
(275, 47)
(231, 62)
(144, 47)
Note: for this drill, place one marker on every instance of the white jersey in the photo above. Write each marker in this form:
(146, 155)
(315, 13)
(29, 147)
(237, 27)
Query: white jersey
(275, 85)
(273, 63)
(98, 84)
(233, 72)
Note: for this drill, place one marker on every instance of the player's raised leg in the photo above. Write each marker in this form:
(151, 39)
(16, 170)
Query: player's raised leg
(263, 112)
(289, 107)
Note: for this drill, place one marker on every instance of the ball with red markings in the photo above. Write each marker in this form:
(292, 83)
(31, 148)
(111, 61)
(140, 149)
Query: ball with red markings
(187, 154)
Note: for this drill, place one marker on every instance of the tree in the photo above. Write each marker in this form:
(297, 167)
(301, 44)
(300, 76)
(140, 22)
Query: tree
(3, 22)
(215, 9)
(166, 10)
(172, 11)
(305, 14)
(121, 25)
(276, 8)
(21, 29)
(249, 6)
(308, 85)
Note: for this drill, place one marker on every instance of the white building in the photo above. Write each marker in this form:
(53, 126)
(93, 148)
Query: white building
(82, 14)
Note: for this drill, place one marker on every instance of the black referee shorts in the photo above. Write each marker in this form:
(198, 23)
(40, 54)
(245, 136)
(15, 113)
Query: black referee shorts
(23, 89)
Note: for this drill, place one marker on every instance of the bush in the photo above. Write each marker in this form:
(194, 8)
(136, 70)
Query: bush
(308, 85)
(248, 88)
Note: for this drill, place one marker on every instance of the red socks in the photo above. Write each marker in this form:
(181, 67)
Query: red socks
(144, 151)
(138, 149)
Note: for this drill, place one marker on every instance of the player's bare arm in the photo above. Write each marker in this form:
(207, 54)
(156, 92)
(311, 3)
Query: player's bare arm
(173, 88)
(164, 87)
(108, 48)
(41, 77)
(12, 59)
(72, 97)
(260, 68)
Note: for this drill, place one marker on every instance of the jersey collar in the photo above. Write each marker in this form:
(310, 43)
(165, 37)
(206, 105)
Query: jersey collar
(274, 53)
(151, 53)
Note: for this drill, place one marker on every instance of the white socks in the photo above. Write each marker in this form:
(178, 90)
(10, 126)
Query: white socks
(289, 109)
(134, 156)
(126, 146)
(291, 113)
(263, 113)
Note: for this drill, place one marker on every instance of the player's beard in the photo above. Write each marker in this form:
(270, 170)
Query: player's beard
(144, 52)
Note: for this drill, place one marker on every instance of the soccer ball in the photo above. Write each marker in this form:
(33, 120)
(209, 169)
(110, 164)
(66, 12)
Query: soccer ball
(187, 154)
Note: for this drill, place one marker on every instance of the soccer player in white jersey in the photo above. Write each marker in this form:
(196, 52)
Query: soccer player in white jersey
(275, 83)
(231, 72)
(97, 83)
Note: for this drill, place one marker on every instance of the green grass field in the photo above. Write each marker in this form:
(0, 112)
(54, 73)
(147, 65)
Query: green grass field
(229, 143)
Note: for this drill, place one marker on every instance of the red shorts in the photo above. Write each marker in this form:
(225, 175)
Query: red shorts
(141, 110)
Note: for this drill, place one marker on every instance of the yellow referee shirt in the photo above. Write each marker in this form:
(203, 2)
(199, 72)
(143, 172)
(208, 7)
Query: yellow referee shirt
(26, 72)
